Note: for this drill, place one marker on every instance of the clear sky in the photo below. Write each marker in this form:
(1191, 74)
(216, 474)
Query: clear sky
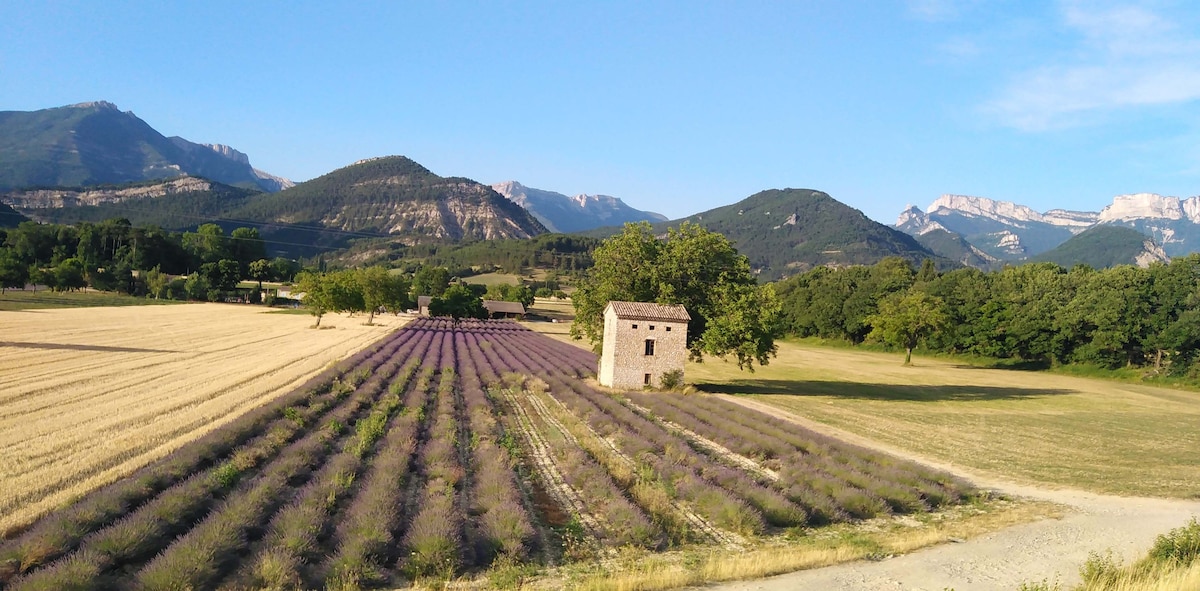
(676, 107)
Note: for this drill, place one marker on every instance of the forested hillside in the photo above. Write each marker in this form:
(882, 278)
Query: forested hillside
(1104, 246)
(1040, 312)
(789, 231)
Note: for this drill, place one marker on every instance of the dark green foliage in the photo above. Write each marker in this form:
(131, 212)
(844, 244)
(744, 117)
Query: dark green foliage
(1038, 312)
(693, 267)
(458, 302)
(1099, 247)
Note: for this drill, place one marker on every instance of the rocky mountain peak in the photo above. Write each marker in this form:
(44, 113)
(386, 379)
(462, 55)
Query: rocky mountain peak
(1151, 205)
(99, 105)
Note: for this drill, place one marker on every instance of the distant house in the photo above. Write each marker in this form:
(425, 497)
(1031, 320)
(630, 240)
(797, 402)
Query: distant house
(499, 309)
(423, 305)
(642, 341)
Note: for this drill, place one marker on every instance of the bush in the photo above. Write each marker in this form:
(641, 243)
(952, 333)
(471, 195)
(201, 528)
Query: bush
(1179, 546)
(672, 380)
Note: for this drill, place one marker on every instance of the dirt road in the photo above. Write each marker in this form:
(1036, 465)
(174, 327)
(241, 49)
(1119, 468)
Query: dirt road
(1050, 550)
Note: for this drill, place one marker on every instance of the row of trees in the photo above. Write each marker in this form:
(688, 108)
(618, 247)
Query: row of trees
(114, 255)
(1122, 316)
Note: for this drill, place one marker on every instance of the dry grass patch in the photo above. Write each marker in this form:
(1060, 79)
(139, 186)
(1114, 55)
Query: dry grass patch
(89, 395)
(1034, 427)
(815, 548)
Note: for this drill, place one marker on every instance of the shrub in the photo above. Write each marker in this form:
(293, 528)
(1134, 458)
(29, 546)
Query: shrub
(1179, 546)
(672, 380)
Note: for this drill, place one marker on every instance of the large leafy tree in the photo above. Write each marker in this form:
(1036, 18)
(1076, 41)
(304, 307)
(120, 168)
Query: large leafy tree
(458, 302)
(381, 289)
(731, 314)
(13, 273)
(904, 320)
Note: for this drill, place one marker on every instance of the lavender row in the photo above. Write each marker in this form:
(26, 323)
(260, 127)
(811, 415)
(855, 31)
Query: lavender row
(504, 527)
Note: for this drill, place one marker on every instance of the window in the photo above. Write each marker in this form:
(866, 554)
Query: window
(651, 327)
(649, 346)
(646, 379)
(635, 326)
(668, 329)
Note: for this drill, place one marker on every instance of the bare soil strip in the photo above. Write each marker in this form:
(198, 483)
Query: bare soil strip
(1051, 550)
(555, 484)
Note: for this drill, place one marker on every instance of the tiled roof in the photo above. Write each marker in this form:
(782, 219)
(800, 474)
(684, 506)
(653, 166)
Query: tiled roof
(497, 306)
(648, 311)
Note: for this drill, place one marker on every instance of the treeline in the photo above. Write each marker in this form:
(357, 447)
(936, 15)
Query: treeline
(564, 254)
(375, 289)
(114, 255)
(1040, 312)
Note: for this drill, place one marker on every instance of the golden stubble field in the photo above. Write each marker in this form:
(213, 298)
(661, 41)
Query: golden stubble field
(89, 395)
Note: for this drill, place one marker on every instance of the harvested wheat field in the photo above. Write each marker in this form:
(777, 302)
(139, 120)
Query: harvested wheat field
(89, 395)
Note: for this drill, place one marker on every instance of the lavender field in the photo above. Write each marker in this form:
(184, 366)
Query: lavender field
(443, 450)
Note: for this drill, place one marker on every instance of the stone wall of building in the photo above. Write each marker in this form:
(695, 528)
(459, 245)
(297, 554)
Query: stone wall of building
(624, 364)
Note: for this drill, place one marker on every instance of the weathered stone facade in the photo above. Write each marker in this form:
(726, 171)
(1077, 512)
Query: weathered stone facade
(642, 342)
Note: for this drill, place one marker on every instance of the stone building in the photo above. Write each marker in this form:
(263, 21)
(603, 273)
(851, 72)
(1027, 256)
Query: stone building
(642, 341)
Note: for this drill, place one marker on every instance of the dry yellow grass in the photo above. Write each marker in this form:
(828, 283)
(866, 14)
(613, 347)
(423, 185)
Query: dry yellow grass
(89, 395)
(833, 545)
(1034, 427)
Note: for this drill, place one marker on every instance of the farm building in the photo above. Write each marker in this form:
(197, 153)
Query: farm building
(642, 341)
(500, 309)
(495, 308)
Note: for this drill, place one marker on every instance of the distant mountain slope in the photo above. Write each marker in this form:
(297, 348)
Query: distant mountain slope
(96, 143)
(9, 217)
(1015, 232)
(560, 213)
(1106, 246)
(950, 245)
(391, 196)
(788, 231)
(178, 203)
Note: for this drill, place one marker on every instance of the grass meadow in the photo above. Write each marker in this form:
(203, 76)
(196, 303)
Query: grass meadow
(1030, 426)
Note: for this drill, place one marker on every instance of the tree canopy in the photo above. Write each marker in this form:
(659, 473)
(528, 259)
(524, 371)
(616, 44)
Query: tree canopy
(731, 314)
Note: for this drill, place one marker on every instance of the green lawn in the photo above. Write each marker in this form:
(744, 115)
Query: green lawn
(12, 300)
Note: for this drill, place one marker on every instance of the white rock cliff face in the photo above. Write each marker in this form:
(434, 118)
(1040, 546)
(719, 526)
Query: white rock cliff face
(1009, 212)
(1151, 205)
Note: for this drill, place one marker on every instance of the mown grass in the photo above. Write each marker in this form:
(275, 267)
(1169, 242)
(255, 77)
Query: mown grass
(15, 300)
(1037, 427)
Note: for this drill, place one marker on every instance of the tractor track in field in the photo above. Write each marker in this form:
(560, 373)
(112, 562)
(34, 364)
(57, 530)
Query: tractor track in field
(556, 484)
(728, 539)
(708, 445)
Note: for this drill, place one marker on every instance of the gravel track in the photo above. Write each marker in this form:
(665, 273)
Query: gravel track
(1052, 549)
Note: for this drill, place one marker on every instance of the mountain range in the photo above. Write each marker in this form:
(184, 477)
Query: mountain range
(560, 213)
(1006, 231)
(96, 143)
(788, 231)
(92, 161)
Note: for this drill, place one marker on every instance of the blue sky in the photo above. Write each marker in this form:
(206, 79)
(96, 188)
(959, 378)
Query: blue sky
(675, 107)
